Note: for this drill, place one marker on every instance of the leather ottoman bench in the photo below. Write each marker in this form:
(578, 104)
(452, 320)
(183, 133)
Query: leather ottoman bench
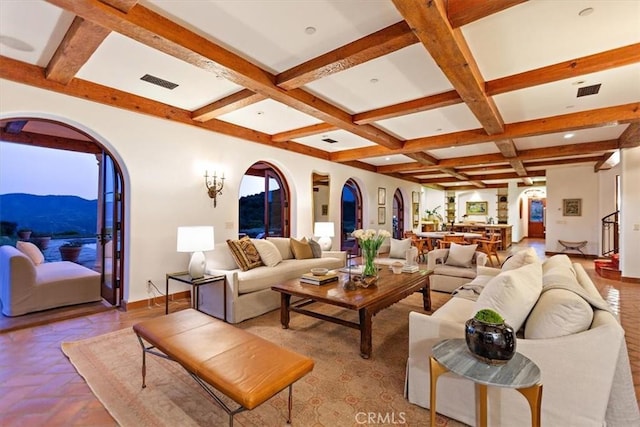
(242, 366)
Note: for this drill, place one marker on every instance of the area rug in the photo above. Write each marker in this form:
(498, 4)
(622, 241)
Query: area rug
(342, 390)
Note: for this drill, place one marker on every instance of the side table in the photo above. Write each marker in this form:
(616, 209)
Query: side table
(184, 277)
(520, 373)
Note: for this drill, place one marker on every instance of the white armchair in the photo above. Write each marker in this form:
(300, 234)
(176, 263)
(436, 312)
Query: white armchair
(451, 272)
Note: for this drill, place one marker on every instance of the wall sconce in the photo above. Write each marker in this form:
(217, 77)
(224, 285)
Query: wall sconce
(214, 187)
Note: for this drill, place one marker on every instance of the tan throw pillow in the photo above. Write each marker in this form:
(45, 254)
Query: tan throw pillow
(245, 253)
(32, 251)
(301, 249)
(460, 255)
(284, 246)
(269, 253)
(399, 248)
(512, 293)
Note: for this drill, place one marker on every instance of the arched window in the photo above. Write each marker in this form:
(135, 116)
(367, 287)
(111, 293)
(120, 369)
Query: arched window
(264, 202)
(351, 215)
(398, 215)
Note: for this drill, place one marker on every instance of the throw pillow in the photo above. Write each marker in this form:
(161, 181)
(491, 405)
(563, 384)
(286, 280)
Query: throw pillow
(245, 253)
(399, 248)
(316, 249)
(460, 255)
(269, 253)
(558, 312)
(301, 249)
(520, 258)
(32, 251)
(512, 293)
(284, 246)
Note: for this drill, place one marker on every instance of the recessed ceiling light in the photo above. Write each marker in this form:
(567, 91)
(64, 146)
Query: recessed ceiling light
(570, 106)
(387, 158)
(578, 82)
(260, 113)
(310, 30)
(374, 81)
(569, 135)
(16, 44)
(586, 12)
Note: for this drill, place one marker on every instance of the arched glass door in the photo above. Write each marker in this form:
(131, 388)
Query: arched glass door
(398, 215)
(351, 216)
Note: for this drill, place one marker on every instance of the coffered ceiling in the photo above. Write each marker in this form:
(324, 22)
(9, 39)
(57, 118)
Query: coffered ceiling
(457, 93)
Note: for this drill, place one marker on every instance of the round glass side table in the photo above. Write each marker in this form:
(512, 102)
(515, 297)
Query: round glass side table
(520, 373)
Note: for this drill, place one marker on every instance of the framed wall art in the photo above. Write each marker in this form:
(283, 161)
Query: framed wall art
(382, 196)
(571, 207)
(477, 208)
(381, 215)
(415, 197)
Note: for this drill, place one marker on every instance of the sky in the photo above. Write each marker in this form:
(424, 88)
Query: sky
(44, 171)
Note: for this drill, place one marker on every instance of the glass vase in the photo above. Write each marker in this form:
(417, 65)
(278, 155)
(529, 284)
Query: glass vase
(369, 270)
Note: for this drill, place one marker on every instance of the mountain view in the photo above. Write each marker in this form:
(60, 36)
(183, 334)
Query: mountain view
(51, 215)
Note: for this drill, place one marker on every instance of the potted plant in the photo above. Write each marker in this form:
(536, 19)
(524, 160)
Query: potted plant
(24, 233)
(41, 240)
(489, 338)
(70, 251)
(433, 216)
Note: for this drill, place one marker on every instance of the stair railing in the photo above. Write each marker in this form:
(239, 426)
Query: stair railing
(610, 234)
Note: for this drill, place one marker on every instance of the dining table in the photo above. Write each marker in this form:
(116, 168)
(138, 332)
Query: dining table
(439, 235)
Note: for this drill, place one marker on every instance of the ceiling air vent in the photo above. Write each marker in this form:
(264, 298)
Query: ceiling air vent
(588, 90)
(158, 81)
(329, 140)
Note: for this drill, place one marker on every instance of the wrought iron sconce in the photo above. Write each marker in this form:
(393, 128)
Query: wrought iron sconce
(214, 187)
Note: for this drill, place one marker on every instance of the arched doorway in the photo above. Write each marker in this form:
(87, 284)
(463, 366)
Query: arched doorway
(264, 202)
(105, 236)
(398, 215)
(350, 216)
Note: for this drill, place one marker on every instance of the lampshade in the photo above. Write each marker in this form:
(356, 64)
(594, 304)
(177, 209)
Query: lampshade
(195, 239)
(324, 229)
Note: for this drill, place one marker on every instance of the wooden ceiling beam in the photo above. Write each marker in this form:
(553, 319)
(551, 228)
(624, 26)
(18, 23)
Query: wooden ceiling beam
(304, 131)
(423, 158)
(153, 30)
(450, 51)
(235, 101)
(79, 43)
(604, 163)
(462, 12)
(614, 58)
(375, 45)
(607, 116)
(427, 103)
(480, 178)
(631, 136)
(48, 141)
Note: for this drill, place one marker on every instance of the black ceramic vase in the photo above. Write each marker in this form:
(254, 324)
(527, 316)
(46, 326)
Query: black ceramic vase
(493, 343)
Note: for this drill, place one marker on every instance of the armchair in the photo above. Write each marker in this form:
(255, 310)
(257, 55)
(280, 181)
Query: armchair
(454, 267)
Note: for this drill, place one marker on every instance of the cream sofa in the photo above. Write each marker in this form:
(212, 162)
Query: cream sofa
(447, 277)
(579, 348)
(26, 287)
(249, 292)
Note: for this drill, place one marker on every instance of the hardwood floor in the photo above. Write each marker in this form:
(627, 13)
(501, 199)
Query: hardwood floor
(38, 385)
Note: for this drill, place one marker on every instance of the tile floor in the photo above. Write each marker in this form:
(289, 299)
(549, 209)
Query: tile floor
(38, 386)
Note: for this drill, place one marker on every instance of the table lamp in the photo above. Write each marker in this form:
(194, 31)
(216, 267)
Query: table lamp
(195, 239)
(325, 231)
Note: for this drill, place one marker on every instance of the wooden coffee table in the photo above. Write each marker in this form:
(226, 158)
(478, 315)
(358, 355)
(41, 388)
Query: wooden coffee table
(390, 289)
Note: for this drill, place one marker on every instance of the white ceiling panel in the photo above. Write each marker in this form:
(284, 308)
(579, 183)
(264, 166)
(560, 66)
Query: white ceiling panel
(132, 60)
(403, 75)
(272, 33)
(269, 116)
(618, 86)
(433, 122)
(566, 35)
(465, 151)
(395, 159)
(579, 137)
(346, 141)
(18, 40)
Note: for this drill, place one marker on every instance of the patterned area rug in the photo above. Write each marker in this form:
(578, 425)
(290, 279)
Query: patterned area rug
(342, 390)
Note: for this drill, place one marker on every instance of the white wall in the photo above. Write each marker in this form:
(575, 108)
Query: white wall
(577, 182)
(630, 221)
(163, 165)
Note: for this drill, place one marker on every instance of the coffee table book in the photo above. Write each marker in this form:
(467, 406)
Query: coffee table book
(318, 280)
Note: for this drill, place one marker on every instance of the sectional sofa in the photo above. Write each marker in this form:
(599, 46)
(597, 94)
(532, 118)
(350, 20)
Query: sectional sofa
(564, 326)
